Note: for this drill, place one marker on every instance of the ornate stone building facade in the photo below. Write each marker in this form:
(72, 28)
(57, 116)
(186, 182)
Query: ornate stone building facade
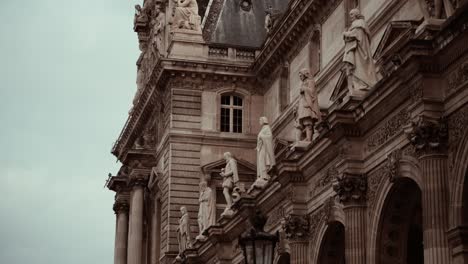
(384, 178)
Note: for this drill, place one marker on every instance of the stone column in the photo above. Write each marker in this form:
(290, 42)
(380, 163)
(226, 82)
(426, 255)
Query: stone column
(135, 233)
(296, 229)
(430, 140)
(351, 189)
(121, 232)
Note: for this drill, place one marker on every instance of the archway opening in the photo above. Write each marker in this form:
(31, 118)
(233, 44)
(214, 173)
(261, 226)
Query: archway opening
(400, 236)
(333, 248)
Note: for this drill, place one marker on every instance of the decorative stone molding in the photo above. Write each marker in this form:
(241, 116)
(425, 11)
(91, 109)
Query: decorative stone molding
(351, 188)
(457, 77)
(393, 164)
(121, 207)
(275, 217)
(427, 135)
(457, 124)
(374, 181)
(296, 227)
(390, 128)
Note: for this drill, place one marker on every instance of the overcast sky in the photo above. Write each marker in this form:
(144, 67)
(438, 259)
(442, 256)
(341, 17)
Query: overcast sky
(67, 78)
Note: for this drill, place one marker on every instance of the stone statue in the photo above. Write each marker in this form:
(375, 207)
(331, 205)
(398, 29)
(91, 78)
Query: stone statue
(359, 65)
(207, 207)
(186, 15)
(435, 8)
(230, 179)
(268, 21)
(265, 155)
(183, 232)
(308, 111)
(157, 28)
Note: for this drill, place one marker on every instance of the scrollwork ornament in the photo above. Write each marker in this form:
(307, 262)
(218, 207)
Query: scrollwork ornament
(120, 207)
(393, 164)
(427, 136)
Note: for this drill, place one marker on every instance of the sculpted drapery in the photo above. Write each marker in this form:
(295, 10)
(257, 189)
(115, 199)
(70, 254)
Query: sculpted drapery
(359, 64)
(184, 10)
(207, 207)
(265, 154)
(183, 231)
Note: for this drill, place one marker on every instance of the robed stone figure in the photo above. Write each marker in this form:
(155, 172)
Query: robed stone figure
(206, 211)
(308, 111)
(265, 153)
(184, 12)
(183, 232)
(359, 65)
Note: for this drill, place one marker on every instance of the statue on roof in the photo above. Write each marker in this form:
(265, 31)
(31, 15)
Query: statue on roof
(186, 15)
(359, 64)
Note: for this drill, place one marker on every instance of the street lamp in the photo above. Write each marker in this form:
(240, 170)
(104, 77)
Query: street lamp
(257, 245)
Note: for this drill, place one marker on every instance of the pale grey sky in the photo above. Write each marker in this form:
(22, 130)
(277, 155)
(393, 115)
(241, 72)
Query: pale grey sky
(67, 78)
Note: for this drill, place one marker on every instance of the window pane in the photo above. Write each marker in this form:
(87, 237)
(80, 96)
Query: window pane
(237, 101)
(225, 119)
(237, 120)
(225, 100)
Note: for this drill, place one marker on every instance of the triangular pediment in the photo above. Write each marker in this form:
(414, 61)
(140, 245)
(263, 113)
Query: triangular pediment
(341, 88)
(395, 32)
(244, 168)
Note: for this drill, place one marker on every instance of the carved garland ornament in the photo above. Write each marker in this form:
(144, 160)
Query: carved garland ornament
(427, 135)
(351, 188)
(389, 129)
(296, 227)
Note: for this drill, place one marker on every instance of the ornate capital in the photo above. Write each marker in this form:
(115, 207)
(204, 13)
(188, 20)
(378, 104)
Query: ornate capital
(351, 188)
(393, 164)
(296, 227)
(427, 136)
(120, 207)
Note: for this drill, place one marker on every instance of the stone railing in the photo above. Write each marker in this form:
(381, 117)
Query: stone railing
(236, 54)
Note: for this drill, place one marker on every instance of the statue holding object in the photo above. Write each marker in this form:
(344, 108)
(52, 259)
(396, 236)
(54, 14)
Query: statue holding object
(230, 180)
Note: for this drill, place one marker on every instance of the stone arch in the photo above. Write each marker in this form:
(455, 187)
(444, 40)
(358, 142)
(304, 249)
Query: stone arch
(333, 217)
(459, 191)
(409, 169)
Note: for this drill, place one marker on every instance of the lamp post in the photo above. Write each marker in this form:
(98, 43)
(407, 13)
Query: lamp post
(257, 245)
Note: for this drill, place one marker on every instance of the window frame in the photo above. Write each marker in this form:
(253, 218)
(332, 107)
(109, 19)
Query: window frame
(246, 97)
(231, 108)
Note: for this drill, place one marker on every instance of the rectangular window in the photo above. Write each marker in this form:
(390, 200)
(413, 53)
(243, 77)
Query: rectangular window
(237, 121)
(225, 118)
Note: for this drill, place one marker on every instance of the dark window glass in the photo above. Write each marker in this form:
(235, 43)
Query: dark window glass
(225, 117)
(237, 101)
(237, 121)
(225, 100)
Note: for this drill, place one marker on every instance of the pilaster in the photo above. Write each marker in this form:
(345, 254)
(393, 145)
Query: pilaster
(429, 136)
(296, 229)
(352, 190)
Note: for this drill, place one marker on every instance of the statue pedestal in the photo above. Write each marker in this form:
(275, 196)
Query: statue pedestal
(433, 24)
(186, 44)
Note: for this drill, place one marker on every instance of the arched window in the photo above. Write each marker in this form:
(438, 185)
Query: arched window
(231, 113)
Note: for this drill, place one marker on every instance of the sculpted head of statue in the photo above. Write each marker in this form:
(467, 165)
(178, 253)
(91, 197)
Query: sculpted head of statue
(355, 14)
(203, 185)
(227, 155)
(263, 120)
(304, 74)
(183, 210)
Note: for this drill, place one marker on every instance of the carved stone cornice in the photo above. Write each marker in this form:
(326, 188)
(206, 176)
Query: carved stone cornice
(393, 164)
(428, 136)
(351, 188)
(296, 227)
(117, 183)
